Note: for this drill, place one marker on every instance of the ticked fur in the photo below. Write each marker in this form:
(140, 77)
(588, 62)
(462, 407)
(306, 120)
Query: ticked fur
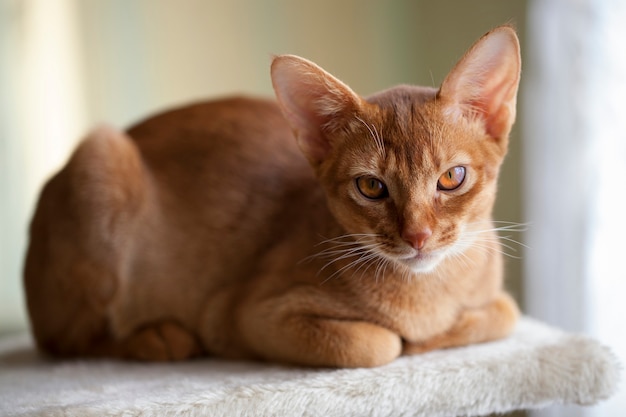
(204, 230)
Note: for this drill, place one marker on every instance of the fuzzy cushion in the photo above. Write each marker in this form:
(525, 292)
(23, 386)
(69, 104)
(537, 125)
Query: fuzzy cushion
(535, 367)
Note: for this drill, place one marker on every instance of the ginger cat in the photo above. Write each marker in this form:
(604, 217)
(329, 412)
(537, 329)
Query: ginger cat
(211, 230)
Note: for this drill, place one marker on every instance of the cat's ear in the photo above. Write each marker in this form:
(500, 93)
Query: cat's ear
(315, 103)
(484, 83)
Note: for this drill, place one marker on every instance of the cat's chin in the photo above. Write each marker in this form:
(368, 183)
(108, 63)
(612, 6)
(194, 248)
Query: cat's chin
(422, 263)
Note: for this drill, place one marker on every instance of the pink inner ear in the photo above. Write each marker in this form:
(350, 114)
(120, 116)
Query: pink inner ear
(312, 100)
(484, 83)
(296, 103)
(497, 110)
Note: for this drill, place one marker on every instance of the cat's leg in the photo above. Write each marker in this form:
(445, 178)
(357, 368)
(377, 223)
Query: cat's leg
(79, 240)
(493, 321)
(298, 328)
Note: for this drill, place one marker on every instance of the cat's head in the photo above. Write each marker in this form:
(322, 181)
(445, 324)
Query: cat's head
(411, 172)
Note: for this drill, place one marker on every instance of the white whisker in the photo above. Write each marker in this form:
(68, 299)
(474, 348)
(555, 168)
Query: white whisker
(492, 249)
(349, 265)
(348, 236)
(379, 140)
(509, 226)
(363, 247)
(497, 241)
(365, 261)
(464, 258)
(380, 145)
(381, 268)
(490, 240)
(509, 239)
(341, 246)
(353, 252)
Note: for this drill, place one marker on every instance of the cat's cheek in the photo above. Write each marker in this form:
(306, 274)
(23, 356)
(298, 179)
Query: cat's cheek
(355, 213)
(348, 215)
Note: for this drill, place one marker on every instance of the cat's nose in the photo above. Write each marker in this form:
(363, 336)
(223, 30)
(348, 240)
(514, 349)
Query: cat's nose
(417, 238)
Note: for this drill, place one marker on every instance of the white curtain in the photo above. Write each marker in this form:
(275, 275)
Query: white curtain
(41, 115)
(575, 173)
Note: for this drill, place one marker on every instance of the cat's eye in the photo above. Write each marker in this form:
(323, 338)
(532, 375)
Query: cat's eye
(451, 179)
(372, 188)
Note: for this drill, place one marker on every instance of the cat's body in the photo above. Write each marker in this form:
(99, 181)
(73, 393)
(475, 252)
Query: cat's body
(205, 231)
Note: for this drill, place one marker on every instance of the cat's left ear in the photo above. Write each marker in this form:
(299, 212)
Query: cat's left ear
(484, 83)
(315, 103)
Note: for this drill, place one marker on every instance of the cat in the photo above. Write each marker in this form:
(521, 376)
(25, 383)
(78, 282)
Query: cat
(321, 229)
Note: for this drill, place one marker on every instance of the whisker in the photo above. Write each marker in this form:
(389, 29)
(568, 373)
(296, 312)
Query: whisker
(473, 238)
(386, 264)
(490, 249)
(496, 240)
(509, 239)
(340, 245)
(355, 252)
(377, 139)
(349, 265)
(508, 226)
(365, 261)
(363, 247)
(346, 248)
(464, 258)
(380, 141)
(379, 264)
(406, 276)
(356, 236)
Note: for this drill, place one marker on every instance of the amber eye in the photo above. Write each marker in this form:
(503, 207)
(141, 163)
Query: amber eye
(371, 188)
(451, 179)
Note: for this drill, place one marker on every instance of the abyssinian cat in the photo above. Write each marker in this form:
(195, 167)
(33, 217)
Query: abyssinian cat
(326, 229)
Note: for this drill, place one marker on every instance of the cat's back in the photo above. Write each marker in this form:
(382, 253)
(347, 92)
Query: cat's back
(221, 172)
(224, 155)
(232, 117)
(233, 130)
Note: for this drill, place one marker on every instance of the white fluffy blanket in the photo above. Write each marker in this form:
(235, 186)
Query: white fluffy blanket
(536, 367)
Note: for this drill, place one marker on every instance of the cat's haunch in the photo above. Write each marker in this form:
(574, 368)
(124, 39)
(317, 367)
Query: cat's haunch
(323, 229)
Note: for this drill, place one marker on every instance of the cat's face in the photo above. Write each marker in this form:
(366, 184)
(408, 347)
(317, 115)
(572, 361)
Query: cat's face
(409, 182)
(410, 173)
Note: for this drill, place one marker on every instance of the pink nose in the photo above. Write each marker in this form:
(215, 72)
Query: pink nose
(417, 239)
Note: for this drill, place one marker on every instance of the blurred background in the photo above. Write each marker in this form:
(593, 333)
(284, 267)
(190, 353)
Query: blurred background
(67, 65)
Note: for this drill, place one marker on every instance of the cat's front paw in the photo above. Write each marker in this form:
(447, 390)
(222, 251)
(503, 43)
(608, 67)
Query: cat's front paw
(493, 321)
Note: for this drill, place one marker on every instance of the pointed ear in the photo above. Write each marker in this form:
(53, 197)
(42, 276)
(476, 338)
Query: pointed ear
(315, 103)
(483, 84)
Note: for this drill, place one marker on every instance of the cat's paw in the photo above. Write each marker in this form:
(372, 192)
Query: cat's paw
(162, 342)
(494, 321)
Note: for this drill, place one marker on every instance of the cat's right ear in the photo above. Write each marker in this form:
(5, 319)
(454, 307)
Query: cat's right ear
(483, 85)
(315, 103)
